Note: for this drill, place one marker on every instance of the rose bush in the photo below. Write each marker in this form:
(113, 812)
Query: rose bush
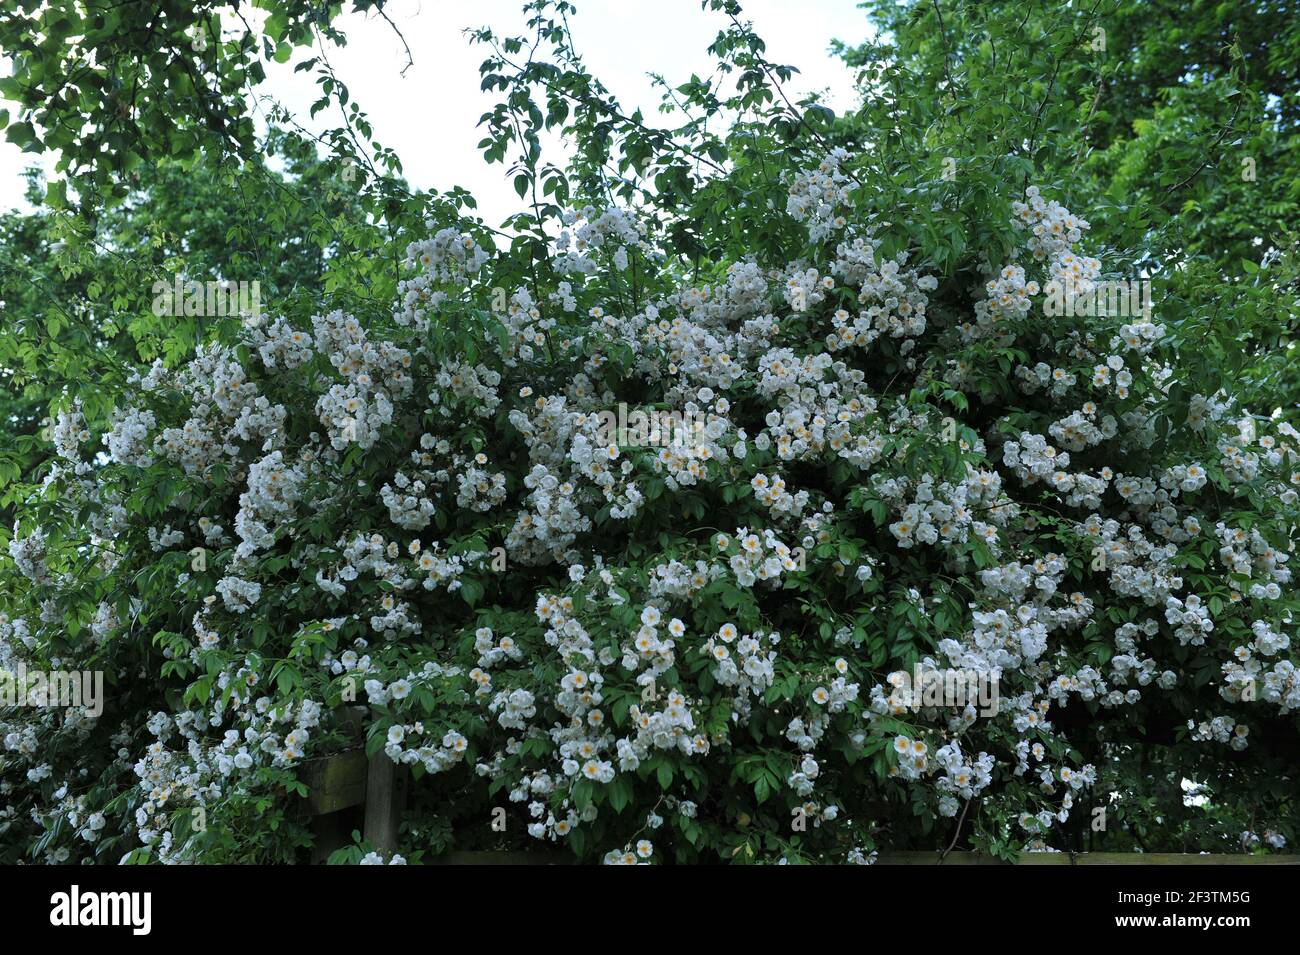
(678, 651)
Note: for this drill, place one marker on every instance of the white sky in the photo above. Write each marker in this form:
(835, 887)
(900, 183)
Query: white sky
(430, 115)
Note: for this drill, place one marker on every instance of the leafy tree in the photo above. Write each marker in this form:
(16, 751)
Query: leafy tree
(111, 86)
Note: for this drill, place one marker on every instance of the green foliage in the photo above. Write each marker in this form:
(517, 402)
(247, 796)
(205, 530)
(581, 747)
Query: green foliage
(964, 106)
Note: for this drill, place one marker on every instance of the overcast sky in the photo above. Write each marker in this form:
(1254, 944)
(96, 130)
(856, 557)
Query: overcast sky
(429, 115)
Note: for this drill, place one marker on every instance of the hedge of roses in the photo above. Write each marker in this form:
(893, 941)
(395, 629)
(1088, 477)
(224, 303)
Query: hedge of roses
(686, 649)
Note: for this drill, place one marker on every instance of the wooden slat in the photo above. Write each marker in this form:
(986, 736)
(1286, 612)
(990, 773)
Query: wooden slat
(335, 782)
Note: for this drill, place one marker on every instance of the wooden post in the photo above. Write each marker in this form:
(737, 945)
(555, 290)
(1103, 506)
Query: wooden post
(385, 802)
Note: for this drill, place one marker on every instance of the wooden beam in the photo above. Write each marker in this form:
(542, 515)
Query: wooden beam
(335, 782)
